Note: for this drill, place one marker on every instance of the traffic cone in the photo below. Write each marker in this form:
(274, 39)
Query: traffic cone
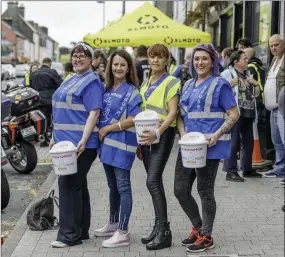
(256, 155)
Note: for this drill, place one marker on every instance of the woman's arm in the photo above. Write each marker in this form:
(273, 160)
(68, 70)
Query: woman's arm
(172, 114)
(232, 118)
(180, 125)
(88, 129)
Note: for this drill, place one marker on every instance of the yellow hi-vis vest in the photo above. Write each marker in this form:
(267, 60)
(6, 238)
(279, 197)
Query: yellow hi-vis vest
(172, 69)
(158, 100)
(27, 79)
(258, 80)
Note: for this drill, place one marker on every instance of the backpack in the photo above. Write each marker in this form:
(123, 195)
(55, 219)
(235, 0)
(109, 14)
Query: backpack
(40, 216)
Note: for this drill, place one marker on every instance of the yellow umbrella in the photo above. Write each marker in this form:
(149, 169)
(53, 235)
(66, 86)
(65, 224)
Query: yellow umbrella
(147, 25)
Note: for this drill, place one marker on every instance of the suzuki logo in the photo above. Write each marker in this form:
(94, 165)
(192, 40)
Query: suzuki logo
(30, 102)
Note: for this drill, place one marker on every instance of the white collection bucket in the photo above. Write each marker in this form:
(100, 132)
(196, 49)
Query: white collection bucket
(146, 120)
(193, 150)
(64, 158)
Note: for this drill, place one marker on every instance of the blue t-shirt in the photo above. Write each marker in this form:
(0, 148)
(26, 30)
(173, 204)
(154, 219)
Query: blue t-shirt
(90, 95)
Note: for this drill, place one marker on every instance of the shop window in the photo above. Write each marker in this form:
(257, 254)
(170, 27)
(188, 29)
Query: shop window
(252, 16)
(216, 34)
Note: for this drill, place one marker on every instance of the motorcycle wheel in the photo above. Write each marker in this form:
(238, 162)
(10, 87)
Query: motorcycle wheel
(5, 191)
(29, 158)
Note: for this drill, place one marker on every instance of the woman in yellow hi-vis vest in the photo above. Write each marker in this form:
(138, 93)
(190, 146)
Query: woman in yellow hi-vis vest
(27, 81)
(160, 93)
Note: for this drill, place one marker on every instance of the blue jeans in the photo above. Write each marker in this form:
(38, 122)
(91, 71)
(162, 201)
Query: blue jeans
(277, 136)
(120, 196)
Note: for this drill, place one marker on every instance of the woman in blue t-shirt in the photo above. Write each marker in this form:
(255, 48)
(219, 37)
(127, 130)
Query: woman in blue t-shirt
(121, 103)
(205, 101)
(76, 107)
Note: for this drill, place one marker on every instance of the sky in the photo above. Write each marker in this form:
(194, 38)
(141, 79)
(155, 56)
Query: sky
(69, 21)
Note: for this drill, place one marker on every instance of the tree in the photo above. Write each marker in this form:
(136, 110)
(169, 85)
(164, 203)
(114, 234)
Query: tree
(199, 15)
(64, 50)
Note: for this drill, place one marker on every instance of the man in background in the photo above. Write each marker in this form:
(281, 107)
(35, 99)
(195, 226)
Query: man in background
(142, 65)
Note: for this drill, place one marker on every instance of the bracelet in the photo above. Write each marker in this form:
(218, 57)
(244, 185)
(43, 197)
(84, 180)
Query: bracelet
(157, 134)
(119, 123)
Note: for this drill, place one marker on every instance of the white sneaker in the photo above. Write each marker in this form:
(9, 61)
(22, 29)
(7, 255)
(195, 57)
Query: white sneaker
(108, 230)
(117, 240)
(58, 244)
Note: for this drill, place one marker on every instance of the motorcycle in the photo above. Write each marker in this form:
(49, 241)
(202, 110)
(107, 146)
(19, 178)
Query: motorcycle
(21, 128)
(5, 189)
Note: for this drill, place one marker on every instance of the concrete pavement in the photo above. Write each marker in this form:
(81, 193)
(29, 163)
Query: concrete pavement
(249, 221)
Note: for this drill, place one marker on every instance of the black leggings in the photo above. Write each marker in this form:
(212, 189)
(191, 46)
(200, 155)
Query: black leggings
(183, 182)
(154, 160)
(74, 201)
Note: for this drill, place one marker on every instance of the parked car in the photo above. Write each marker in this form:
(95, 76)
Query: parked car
(58, 66)
(10, 68)
(22, 70)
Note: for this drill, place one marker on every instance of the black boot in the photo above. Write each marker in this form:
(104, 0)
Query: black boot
(163, 239)
(146, 240)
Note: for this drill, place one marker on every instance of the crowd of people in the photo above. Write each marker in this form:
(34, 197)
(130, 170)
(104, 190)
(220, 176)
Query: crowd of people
(219, 93)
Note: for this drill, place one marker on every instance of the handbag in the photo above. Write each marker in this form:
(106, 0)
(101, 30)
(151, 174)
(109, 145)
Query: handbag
(40, 216)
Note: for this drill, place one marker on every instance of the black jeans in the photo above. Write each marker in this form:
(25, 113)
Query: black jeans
(243, 131)
(154, 160)
(74, 201)
(183, 183)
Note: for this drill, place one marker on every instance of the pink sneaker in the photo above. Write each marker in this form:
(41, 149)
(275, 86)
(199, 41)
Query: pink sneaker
(117, 240)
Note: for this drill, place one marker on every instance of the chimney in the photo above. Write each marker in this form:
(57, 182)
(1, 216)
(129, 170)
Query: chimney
(21, 10)
(44, 30)
(12, 5)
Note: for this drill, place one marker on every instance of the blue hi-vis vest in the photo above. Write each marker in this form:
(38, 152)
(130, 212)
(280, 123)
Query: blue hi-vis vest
(118, 149)
(208, 119)
(69, 113)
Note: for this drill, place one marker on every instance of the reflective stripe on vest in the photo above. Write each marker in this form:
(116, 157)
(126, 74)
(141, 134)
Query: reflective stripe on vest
(162, 111)
(72, 127)
(68, 104)
(207, 114)
(258, 80)
(119, 145)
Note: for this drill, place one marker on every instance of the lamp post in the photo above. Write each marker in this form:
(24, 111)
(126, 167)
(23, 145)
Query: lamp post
(124, 8)
(103, 2)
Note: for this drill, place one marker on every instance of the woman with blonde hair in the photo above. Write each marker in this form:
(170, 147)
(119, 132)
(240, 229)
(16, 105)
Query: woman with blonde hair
(160, 93)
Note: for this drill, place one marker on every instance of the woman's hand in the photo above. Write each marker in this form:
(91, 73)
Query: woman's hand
(234, 82)
(139, 152)
(147, 137)
(252, 81)
(103, 132)
(212, 138)
(81, 147)
(51, 143)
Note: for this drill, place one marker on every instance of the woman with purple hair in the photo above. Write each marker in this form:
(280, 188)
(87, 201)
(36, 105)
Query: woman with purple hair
(208, 106)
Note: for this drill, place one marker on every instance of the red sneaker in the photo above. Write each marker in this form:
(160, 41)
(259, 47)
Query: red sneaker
(193, 236)
(201, 244)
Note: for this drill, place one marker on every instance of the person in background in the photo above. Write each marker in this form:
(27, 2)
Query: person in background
(246, 89)
(226, 55)
(221, 60)
(173, 69)
(46, 81)
(69, 71)
(98, 58)
(33, 68)
(121, 103)
(160, 93)
(142, 65)
(243, 43)
(205, 101)
(101, 70)
(76, 109)
(185, 73)
(275, 81)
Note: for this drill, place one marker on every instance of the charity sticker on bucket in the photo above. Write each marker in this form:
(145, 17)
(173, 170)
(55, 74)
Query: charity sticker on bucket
(146, 120)
(193, 150)
(64, 158)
